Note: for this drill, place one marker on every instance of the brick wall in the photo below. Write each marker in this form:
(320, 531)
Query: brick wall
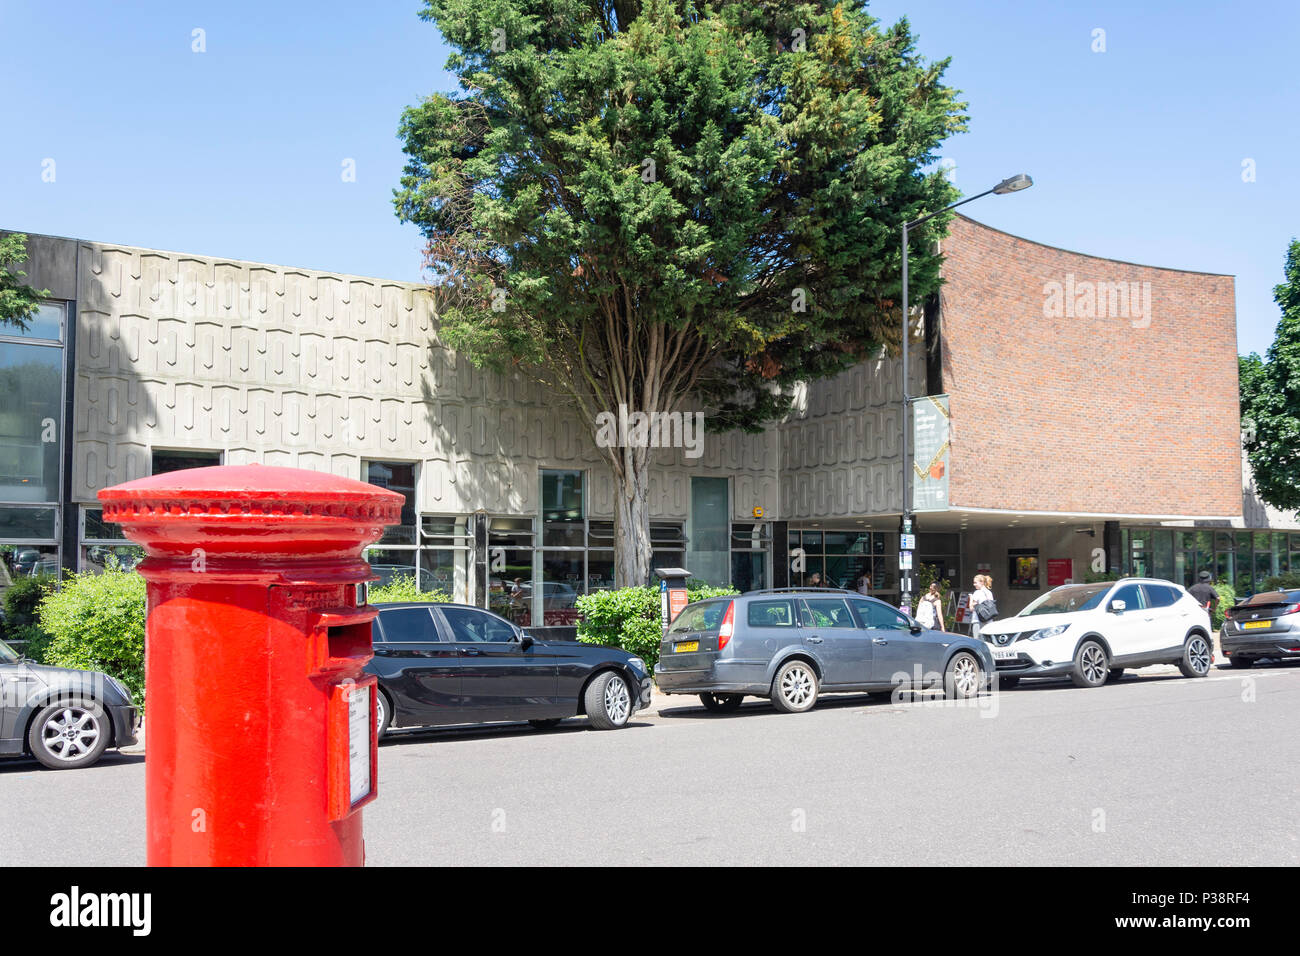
(1130, 410)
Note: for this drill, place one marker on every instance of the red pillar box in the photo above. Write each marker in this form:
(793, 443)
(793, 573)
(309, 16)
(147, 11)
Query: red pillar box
(261, 730)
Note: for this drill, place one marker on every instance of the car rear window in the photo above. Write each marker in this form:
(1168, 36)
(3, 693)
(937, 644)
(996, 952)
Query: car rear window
(409, 625)
(827, 612)
(771, 614)
(700, 617)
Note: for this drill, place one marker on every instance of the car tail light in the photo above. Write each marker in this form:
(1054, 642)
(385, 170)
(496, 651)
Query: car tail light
(727, 625)
(1293, 609)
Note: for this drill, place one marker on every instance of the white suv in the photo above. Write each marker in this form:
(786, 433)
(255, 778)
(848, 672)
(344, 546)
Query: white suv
(1092, 632)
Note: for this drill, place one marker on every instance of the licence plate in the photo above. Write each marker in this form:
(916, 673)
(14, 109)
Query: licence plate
(685, 647)
(1003, 654)
(1250, 624)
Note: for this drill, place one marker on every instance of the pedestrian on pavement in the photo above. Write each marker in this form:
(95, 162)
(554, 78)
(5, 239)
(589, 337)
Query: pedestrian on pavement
(816, 580)
(1207, 597)
(863, 584)
(929, 613)
(983, 608)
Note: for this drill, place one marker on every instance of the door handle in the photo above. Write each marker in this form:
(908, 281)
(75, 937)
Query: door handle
(812, 640)
(879, 640)
(468, 652)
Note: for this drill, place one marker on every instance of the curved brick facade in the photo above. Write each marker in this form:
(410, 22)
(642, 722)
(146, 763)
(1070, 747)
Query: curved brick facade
(1125, 408)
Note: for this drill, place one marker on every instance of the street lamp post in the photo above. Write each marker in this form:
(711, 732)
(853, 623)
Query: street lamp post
(1012, 184)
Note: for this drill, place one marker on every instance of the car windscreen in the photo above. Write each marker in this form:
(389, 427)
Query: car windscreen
(700, 617)
(1077, 597)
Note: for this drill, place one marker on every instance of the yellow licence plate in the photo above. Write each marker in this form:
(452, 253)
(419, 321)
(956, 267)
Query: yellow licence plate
(1257, 624)
(685, 647)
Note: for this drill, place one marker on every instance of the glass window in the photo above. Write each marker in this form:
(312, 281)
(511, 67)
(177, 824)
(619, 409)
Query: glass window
(391, 564)
(98, 557)
(400, 477)
(748, 570)
(46, 322)
(409, 625)
(28, 561)
(31, 381)
(709, 550)
(163, 461)
(561, 584)
(469, 626)
(825, 612)
(1158, 596)
(562, 509)
(27, 523)
(706, 616)
(882, 617)
(770, 614)
(1131, 595)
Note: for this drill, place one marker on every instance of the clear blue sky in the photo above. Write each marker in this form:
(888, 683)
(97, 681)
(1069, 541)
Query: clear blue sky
(1136, 152)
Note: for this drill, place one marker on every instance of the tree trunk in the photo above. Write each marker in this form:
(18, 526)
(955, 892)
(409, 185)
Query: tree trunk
(631, 517)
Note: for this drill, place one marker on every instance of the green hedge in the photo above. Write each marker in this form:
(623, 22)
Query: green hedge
(1282, 582)
(629, 618)
(96, 622)
(1227, 598)
(402, 588)
(20, 602)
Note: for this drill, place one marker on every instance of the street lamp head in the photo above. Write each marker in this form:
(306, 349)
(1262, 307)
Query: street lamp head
(1013, 185)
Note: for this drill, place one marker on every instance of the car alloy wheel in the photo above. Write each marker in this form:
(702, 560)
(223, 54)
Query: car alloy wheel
(963, 678)
(69, 734)
(618, 703)
(1090, 665)
(608, 701)
(381, 715)
(795, 688)
(1196, 658)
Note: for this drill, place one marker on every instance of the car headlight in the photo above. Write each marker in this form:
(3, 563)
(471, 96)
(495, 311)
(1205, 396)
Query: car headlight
(1049, 632)
(638, 664)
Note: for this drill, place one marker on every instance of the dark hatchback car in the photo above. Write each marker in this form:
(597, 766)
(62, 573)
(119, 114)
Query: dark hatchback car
(444, 664)
(1265, 625)
(65, 718)
(790, 645)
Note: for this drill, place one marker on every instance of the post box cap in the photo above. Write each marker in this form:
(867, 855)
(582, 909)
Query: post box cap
(250, 509)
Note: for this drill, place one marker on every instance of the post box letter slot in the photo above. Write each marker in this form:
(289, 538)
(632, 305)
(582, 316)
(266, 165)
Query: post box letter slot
(341, 639)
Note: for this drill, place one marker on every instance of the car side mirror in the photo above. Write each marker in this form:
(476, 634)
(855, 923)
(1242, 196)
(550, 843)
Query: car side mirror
(526, 640)
(916, 628)
(1118, 607)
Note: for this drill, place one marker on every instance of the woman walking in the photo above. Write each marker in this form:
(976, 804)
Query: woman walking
(982, 595)
(929, 613)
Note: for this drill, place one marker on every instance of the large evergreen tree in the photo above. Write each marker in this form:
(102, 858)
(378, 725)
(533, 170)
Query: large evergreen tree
(672, 205)
(1270, 399)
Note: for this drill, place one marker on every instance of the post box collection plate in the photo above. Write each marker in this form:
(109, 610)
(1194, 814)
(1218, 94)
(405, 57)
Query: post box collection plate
(353, 747)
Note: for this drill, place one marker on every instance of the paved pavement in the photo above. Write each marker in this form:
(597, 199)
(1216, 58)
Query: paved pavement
(1155, 769)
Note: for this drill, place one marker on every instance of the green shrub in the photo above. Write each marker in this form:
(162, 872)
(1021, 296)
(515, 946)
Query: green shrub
(96, 622)
(21, 599)
(403, 588)
(630, 617)
(1227, 598)
(30, 641)
(1282, 582)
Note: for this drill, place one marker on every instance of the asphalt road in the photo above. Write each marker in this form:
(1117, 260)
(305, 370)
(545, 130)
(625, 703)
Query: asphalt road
(1155, 769)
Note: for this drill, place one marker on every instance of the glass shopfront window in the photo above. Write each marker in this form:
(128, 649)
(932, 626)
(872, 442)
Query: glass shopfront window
(400, 477)
(708, 555)
(31, 444)
(102, 544)
(856, 560)
(1244, 559)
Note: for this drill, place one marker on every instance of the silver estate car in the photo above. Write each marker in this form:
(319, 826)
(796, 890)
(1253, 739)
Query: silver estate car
(791, 645)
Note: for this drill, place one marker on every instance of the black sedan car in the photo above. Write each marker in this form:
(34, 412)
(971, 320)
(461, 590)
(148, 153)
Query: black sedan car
(445, 664)
(65, 718)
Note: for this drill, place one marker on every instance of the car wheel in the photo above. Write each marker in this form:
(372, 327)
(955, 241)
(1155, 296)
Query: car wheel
(546, 723)
(608, 701)
(1195, 661)
(721, 703)
(383, 714)
(1242, 661)
(69, 734)
(1115, 674)
(1006, 683)
(794, 689)
(1090, 665)
(963, 677)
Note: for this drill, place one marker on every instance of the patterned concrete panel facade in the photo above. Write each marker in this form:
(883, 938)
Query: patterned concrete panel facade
(291, 367)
